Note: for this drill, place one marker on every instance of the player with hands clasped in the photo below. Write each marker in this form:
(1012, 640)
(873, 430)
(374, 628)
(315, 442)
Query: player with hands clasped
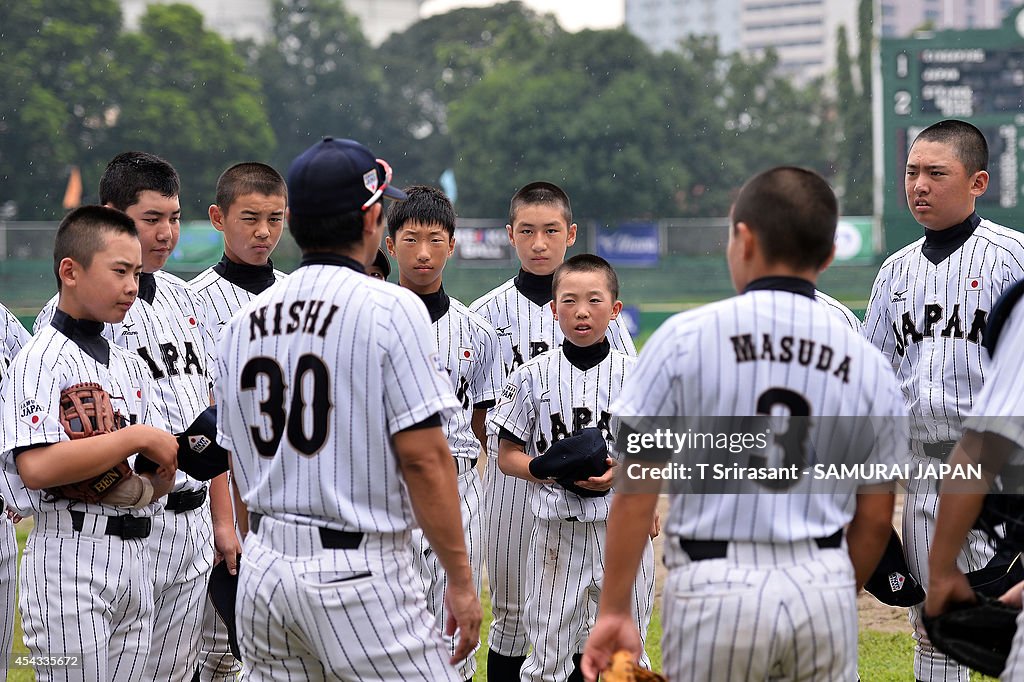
(331, 397)
(85, 583)
(762, 584)
(928, 310)
(540, 228)
(553, 422)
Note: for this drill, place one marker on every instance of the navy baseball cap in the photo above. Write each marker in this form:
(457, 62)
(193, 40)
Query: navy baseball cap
(337, 176)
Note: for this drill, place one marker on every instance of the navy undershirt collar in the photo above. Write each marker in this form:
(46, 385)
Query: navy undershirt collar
(147, 287)
(794, 285)
(940, 244)
(438, 304)
(85, 334)
(253, 278)
(585, 357)
(537, 288)
(325, 258)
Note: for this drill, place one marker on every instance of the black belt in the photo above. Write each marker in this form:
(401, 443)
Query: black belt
(125, 527)
(186, 500)
(939, 450)
(699, 550)
(329, 538)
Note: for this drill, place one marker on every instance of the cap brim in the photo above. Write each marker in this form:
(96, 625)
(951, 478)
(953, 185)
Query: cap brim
(393, 192)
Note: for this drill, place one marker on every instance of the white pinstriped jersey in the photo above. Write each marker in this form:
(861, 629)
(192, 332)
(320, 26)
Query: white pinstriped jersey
(469, 348)
(928, 320)
(748, 352)
(316, 375)
(222, 297)
(548, 399)
(526, 329)
(999, 406)
(12, 336)
(170, 336)
(838, 309)
(49, 363)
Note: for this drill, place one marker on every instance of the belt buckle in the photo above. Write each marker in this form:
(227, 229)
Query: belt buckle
(136, 526)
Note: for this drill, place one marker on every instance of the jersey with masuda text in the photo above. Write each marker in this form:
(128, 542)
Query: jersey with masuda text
(774, 353)
(929, 322)
(548, 399)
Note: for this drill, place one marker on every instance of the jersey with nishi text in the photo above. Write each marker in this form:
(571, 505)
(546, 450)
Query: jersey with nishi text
(526, 329)
(469, 348)
(547, 399)
(929, 319)
(49, 363)
(316, 375)
(766, 351)
(172, 339)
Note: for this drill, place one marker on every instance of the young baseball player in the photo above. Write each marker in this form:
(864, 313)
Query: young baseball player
(541, 229)
(251, 200)
(762, 584)
(165, 327)
(421, 237)
(12, 337)
(86, 588)
(331, 398)
(545, 400)
(927, 313)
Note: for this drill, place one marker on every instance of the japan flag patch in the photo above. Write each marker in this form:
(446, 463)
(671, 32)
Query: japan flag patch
(974, 283)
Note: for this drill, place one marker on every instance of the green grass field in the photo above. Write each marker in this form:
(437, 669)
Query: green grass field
(884, 656)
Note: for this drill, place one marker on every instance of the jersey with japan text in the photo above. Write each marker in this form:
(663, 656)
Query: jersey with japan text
(469, 348)
(929, 321)
(49, 363)
(549, 398)
(769, 351)
(526, 329)
(170, 336)
(315, 377)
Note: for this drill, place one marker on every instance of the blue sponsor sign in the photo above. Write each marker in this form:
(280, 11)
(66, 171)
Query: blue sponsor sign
(631, 244)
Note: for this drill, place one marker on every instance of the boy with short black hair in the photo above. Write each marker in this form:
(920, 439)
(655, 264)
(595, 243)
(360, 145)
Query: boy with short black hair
(251, 201)
(554, 396)
(421, 236)
(93, 554)
(927, 314)
(166, 328)
(540, 228)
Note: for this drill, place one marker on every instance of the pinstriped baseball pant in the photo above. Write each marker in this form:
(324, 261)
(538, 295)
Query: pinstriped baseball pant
(88, 594)
(308, 613)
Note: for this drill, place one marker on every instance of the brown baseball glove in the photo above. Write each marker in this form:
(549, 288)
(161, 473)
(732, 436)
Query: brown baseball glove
(85, 411)
(625, 669)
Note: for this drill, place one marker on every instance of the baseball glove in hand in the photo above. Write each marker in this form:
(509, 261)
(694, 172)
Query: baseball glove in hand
(977, 635)
(85, 411)
(625, 669)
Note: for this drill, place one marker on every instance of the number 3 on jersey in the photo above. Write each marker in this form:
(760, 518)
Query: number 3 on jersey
(792, 441)
(311, 377)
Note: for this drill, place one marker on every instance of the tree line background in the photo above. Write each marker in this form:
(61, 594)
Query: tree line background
(500, 95)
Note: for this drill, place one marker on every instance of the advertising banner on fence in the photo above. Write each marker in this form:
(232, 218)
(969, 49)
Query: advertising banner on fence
(483, 245)
(630, 244)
